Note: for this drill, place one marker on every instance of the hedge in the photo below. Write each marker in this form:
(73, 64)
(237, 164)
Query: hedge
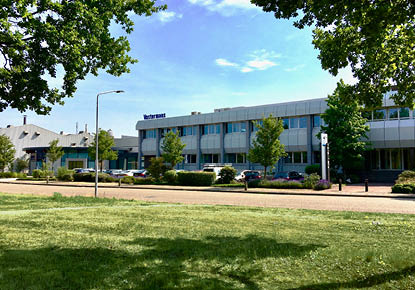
(196, 178)
(403, 188)
(90, 177)
(10, 174)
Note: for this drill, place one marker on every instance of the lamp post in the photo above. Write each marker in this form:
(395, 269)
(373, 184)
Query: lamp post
(96, 139)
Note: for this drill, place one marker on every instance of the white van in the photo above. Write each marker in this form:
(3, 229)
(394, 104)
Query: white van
(215, 169)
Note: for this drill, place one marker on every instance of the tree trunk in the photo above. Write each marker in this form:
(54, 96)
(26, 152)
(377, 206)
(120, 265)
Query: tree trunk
(265, 172)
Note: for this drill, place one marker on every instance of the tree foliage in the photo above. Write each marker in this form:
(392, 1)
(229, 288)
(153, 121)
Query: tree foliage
(346, 130)
(54, 152)
(105, 144)
(7, 152)
(172, 148)
(40, 39)
(157, 167)
(267, 149)
(374, 37)
(22, 163)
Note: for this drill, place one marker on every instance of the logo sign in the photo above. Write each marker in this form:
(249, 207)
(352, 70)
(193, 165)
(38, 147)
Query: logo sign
(154, 116)
(324, 139)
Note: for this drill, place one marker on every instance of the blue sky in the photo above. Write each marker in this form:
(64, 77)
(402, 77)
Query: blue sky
(196, 56)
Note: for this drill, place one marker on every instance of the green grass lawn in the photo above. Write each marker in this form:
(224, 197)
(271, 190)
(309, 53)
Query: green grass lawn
(121, 244)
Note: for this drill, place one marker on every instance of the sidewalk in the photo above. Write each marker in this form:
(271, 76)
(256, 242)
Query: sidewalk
(356, 190)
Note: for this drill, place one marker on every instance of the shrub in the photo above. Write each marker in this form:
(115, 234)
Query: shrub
(65, 174)
(196, 178)
(280, 184)
(157, 167)
(8, 174)
(322, 184)
(354, 178)
(83, 177)
(254, 183)
(127, 179)
(313, 168)
(226, 175)
(21, 175)
(147, 180)
(170, 176)
(408, 176)
(403, 188)
(37, 173)
(311, 180)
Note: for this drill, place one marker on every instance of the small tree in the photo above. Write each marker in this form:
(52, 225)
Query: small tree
(346, 129)
(227, 174)
(105, 144)
(157, 167)
(267, 149)
(172, 149)
(55, 152)
(22, 163)
(7, 152)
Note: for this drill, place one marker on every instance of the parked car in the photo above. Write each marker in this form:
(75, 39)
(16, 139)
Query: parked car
(249, 174)
(215, 169)
(288, 175)
(139, 173)
(83, 170)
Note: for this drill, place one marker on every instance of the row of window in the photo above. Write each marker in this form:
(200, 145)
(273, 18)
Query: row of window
(388, 114)
(296, 157)
(392, 158)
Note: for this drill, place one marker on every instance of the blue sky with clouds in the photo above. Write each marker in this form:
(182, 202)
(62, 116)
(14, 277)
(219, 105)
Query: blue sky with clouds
(196, 56)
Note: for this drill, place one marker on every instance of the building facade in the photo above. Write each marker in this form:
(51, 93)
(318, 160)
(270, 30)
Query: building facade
(226, 135)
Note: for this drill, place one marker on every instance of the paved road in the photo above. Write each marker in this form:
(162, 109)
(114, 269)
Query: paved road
(348, 203)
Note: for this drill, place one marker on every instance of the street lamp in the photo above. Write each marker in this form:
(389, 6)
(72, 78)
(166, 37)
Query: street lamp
(96, 139)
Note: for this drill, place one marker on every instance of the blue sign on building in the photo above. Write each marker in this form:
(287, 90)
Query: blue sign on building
(154, 116)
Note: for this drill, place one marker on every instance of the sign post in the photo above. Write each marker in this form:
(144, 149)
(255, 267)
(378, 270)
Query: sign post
(324, 156)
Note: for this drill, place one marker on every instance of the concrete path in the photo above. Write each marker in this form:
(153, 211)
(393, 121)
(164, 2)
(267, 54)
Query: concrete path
(319, 202)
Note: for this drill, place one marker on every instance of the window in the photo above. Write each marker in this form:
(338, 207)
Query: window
(211, 129)
(293, 123)
(210, 158)
(235, 158)
(316, 121)
(205, 129)
(235, 127)
(403, 113)
(229, 128)
(288, 158)
(367, 115)
(190, 158)
(217, 128)
(304, 157)
(303, 122)
(254, 128)
(243, 127)
(379, 114)
(286, 123)
(296, 157)
(149, 134)
(393, 113)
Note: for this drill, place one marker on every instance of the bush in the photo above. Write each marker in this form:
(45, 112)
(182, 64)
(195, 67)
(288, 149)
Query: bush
(37, 173)
(8, 174)
(403, 188)
(226, 175)
(408, 176)
(311, 180)
(83, 177)
(322, 184)
(354, 178)
(196, 178)
(254, 183)
(170, 176)
(65, 174)
(127, 179)
(280, 184)
(157, 167)
(313, 168)
(147, 180)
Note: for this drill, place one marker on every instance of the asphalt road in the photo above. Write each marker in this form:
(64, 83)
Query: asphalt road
(341, 203)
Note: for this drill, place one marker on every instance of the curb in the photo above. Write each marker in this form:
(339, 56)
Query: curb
(216, 189)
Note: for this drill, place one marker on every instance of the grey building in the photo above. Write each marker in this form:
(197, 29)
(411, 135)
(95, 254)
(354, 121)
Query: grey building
(225, 136)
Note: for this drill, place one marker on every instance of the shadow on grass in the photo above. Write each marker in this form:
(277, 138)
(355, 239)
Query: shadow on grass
(371, 281)
(211, 263)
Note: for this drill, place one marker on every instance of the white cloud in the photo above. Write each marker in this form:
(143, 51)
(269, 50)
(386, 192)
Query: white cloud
(261, 64)
(246, 69)
(167, 16)
(224, 62)
(294, 68)
(226, 7)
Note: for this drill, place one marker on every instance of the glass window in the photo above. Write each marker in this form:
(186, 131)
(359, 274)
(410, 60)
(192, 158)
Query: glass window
(288, 158)
(235, 127)
(240, 158)
(396, 159)
(303, 122)
(367, 115)
(304, 157)
(211, 129)
(293, 123)
(254, 128)
(229, 128)
(189, 130)
(285, 123)
(205, 129)
(316, 121)
(174, 130)
(393, 113)
(215, 158)
(243, 127)
(297, 157)
(404, 113)
(230, 158)
(379, 114)
(217, 128)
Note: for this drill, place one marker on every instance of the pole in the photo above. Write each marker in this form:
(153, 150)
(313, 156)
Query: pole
(96, 151)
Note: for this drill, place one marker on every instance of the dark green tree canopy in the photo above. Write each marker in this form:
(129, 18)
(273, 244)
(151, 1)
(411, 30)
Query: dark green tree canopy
(38, 37)
(267, 148)
(374, 37)
(346, 130)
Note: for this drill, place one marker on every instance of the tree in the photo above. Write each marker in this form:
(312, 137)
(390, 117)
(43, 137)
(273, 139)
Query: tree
(54, 152)
(22, 163)
(267, 149)
(105, 144)
(172, 148)
(157, 167)
(42, 38)
(374, 37)
(7, 152)
(346, 129)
